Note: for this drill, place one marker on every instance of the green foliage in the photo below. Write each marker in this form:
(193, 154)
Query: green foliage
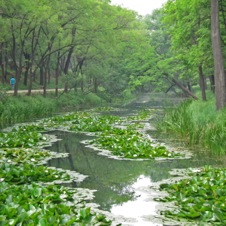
(199, 199)
(90, 40)
(82, 121)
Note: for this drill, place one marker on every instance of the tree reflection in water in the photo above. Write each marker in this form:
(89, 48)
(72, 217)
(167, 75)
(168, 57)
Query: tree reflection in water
(112, 178)
(122, 186)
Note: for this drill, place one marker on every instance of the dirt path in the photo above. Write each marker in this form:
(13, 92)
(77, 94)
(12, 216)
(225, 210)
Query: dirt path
(33, 91)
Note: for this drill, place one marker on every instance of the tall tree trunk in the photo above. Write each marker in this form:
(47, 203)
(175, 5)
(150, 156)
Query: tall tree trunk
(41, 76)
(212, 83)
(45, 82)
(27, 67)
(2, 63)
(57, 74)
(219, 73)
(30, 82)
(202, 83)
(46, 70)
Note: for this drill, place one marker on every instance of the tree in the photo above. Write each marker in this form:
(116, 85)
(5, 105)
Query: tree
(188, 26)
(219, 73)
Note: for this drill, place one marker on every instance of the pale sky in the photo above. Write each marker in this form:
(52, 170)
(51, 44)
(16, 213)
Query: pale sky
(143, 7)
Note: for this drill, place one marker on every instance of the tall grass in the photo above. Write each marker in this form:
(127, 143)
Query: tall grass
(26, 108)
(197, 123)
(18, 109)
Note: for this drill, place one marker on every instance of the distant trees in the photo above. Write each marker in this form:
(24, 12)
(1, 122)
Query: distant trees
(77, 43)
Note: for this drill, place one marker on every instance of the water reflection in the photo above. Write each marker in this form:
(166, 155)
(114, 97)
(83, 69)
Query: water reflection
(123, 186)
(143, 205)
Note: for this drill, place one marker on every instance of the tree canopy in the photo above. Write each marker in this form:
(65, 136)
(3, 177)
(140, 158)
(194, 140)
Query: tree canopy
(92, 45)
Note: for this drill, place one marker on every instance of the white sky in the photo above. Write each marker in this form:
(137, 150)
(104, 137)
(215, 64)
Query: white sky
(143, 7)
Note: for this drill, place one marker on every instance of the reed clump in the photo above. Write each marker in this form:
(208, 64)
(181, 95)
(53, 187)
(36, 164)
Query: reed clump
(197, 123)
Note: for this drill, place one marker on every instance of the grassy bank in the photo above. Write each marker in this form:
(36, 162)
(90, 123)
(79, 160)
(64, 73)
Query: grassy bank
(198, 123)
(24, 108)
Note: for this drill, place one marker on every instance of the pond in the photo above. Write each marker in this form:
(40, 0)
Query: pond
(124, 188)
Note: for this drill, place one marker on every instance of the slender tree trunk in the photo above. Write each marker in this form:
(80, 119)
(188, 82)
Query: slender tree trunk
(49, 75)
(27, 67)
(212, 83)
(57, 74)
(2, 63)
(219, 73)
(185, 90)
(30, 82)
(46, 70)
(45, 82)
(202, 83)
(41, 76)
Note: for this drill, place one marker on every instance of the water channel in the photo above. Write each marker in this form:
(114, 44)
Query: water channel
(124, 188)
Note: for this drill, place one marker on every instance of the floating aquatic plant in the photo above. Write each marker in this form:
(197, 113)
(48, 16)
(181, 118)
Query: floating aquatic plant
(128, 143)
(22, 155)
(27, 173)
(21, 138)
(200, 198)
(45, 205)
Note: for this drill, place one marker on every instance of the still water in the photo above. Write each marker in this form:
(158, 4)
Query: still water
(124, 188)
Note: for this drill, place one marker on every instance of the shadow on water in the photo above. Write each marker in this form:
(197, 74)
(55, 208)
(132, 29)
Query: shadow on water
(122, 186)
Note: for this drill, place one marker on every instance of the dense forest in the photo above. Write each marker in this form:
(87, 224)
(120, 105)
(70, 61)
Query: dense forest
(94, 46)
